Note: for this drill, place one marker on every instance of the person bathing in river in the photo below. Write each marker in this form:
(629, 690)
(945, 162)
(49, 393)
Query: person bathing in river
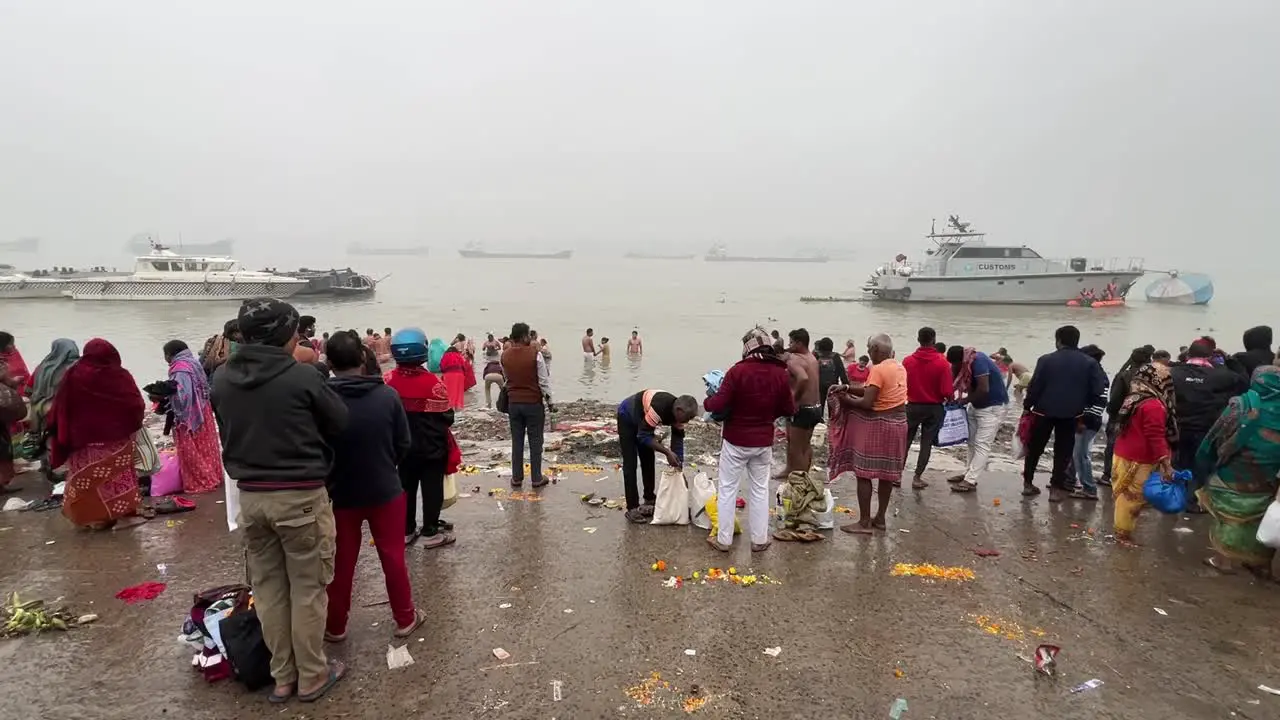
(589, 345)
(635, 346)
(639, 417)
(850, 352)
(831, 370)
(492, 368)
(859, 371)
(605, 351)
(802, 368)
(868, 433)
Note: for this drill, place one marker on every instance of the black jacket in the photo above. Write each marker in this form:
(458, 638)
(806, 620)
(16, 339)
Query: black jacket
(429, 436)
(830, 372)
(365, 456)
(277, 419)
(1202, 394)
(1251, 360)
(1065, 384)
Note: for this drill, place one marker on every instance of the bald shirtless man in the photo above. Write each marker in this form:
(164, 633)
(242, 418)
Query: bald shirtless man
(802, 367)
(589, 345)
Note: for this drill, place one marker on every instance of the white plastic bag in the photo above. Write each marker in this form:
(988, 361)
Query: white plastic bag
(672, 505)
(450, 491)
(955, 427)
(701, 490)
(232, 502)
(1269, 528)
(827, 518)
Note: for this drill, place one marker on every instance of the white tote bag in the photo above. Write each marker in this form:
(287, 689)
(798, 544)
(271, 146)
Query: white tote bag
(701, 490)
(450, 491)
(1269, 528)
(672, 505)
(955, 427)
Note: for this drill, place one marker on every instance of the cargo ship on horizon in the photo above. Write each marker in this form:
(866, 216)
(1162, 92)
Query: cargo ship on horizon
(410, 251)
(475, 251)
(719, 253)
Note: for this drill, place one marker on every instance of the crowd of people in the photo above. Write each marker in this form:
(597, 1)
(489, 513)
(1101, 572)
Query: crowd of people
(321, 436)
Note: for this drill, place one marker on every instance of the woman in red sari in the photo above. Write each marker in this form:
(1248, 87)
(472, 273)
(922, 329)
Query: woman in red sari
(17, 377)
(458, 375)
(96, 412)
(195, 433)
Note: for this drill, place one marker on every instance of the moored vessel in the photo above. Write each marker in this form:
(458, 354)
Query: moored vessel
(476, 251)
(963, 268)
(165, 276)
(719, 253)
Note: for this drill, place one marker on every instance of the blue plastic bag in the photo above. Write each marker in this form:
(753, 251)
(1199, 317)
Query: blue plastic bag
(1167, 497)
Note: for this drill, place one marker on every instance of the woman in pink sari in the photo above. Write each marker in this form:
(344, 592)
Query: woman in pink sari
(458, 375)
(195, 434)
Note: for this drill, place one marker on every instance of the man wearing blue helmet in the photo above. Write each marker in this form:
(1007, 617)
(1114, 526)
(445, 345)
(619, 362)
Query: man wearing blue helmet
(426, 404)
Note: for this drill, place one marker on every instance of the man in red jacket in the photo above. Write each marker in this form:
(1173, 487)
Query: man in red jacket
(755, 392)
(929, 385)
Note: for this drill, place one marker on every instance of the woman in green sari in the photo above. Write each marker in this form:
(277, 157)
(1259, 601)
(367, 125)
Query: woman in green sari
(1241, 457)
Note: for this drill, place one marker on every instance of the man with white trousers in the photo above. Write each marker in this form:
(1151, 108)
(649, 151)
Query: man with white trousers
(979, 385)
(755, 392)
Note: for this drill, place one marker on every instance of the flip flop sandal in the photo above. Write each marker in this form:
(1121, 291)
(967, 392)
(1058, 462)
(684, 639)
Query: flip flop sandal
(760, 547)
(963, 486)
(337, 671)
(412, 538)
(275, 699)
(808, 536)
(955, 479)
(856, 529)
(1082, 495)
(1030, 490)
(419, 617)
(445, 540)
(636, 517)
(787, 535)
(711, 540)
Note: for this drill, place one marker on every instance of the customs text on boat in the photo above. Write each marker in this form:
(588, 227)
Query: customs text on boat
(165, 276)
(963, 268)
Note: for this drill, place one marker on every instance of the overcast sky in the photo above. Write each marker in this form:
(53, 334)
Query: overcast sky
(1072, 125)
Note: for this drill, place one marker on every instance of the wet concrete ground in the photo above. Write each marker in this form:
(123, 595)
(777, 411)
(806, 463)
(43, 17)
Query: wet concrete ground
(843, 622)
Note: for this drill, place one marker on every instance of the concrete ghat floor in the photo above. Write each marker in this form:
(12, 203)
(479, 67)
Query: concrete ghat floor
(844, 624)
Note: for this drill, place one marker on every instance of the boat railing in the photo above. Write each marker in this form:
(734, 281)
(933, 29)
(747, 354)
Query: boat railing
(1116, 264)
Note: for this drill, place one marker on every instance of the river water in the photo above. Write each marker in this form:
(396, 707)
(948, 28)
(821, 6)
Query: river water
(690, 315)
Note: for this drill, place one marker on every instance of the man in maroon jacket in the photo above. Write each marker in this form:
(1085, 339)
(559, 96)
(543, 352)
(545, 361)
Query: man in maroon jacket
(929, 385)
(755, 392)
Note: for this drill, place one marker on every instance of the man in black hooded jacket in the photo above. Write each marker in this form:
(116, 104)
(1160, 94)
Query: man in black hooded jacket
(277, 419)
(1202, 390)
(1257, 350)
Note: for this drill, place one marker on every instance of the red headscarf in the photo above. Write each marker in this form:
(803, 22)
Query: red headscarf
(98, 401)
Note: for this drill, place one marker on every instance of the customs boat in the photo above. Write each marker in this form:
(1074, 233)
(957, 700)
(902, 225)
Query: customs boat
(963, 268)
(165, 276)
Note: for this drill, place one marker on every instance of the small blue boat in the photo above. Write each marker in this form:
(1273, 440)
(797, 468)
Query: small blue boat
(1181, 289)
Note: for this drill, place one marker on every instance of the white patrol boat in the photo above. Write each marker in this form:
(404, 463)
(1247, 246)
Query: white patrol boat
(165, 276)
(963, 268)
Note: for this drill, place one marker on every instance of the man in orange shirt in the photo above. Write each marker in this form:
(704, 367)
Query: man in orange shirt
(868, 433)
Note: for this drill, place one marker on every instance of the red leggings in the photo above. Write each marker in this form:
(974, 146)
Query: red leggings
(386, 522)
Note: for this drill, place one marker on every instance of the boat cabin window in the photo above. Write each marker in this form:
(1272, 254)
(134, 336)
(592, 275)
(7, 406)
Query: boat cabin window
(981, 251)
(196, 266)
(161, 265)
